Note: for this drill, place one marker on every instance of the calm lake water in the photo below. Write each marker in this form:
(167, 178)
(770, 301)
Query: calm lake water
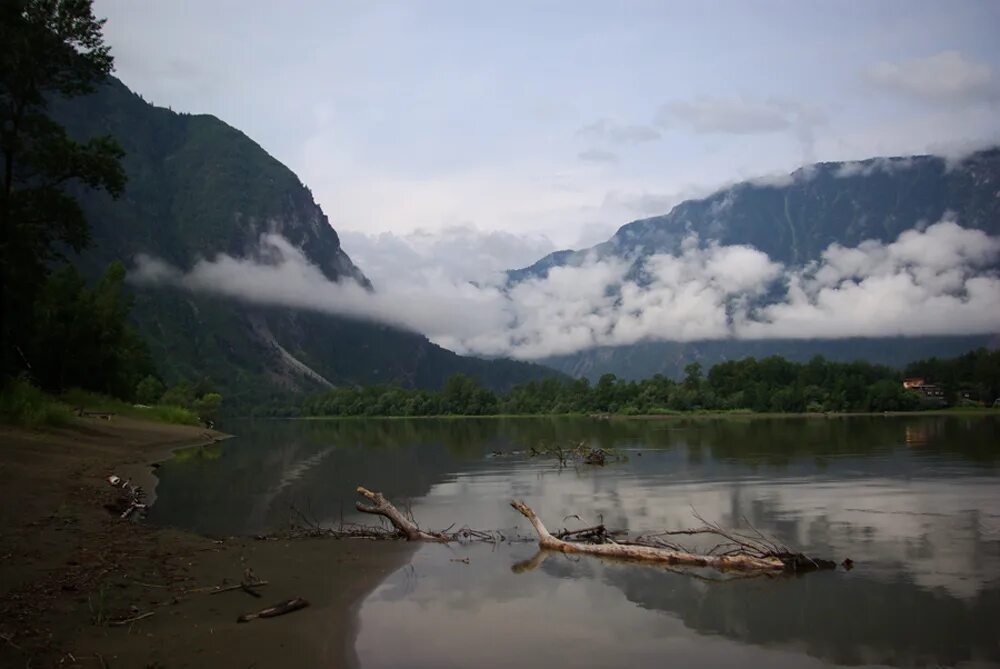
(914, 501)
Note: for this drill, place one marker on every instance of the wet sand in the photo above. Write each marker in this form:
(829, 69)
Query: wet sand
(68, 567)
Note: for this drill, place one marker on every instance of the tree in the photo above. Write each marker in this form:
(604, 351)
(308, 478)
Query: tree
(47, 48)
(82, 337)
(889, 395)
(149, 390)
(208, 407)
(692, 376)
(180, 395)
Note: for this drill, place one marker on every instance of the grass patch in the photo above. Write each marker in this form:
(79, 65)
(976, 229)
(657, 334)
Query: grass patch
(23, 404)
(160, 413)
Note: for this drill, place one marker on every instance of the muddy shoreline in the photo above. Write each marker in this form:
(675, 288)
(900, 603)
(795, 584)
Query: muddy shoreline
(69, 569)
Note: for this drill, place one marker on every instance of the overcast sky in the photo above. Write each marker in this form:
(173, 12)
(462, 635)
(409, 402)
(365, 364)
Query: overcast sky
(562, 120)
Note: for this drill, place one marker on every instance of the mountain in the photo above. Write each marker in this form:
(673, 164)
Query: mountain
(197, 188)
(793, 220)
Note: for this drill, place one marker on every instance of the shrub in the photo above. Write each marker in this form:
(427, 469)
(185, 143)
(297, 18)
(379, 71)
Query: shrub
(170, 414)
(23, 404)
(208, 406)
(149, 390)
(163, 413)
(180, 395)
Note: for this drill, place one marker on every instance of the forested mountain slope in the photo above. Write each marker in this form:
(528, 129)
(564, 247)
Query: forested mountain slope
(197, 188)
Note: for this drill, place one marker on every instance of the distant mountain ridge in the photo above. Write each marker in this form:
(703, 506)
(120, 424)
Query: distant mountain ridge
(793, 220)
(197, 188)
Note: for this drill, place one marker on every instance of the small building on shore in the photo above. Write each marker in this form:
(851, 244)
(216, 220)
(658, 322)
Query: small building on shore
(921, 386)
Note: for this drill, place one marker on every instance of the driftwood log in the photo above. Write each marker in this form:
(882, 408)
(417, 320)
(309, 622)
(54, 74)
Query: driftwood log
(736, 551)
(380, 506)
(742, 553)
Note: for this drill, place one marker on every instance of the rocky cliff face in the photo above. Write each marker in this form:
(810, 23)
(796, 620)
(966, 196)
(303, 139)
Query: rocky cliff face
(198, 188)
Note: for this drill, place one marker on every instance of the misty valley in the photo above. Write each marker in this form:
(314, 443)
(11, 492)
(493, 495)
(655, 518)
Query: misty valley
(444, 334)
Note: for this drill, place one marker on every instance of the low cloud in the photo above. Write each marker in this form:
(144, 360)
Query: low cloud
(734, 116)
(864, 168)
(941, 280)
(598, 156)
(462, 253)
(933, 282)
(944, 78)
(436, 305)
(607, 130)
(743, 116)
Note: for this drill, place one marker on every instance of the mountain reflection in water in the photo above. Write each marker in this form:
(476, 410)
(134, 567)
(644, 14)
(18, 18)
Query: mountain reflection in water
(914, 501)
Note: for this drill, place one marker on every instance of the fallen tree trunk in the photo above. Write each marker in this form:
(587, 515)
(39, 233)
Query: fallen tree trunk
(407, 528)
(737, 559)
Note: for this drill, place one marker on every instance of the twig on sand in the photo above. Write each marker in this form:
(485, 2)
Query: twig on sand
(129, 621)
(279, 609)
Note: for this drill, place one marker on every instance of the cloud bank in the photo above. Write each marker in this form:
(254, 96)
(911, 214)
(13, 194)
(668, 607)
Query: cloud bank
(708, 115)
(945, 78)
(938, 281)
(608, 130)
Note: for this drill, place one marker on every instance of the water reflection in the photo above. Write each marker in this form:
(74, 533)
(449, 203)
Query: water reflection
(588, 612)
(919, 514)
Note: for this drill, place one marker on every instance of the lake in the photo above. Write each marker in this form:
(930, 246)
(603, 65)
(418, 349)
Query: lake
(914, 501)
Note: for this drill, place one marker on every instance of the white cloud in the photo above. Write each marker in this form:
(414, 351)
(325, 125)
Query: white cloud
(734, 116)
(933, 282)
(936, 281)
(743, 116)
(436, 304)
(946, 77)
(864, 168)
(598, 156)
(607, 130)
(462, 253)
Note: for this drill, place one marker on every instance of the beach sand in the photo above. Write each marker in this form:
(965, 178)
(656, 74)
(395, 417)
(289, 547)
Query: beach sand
(69, 568)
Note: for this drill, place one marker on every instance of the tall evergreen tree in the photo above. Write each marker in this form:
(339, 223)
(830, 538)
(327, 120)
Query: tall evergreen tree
(47, 48)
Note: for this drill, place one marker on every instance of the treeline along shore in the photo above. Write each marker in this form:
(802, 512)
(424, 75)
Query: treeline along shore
(769, 385)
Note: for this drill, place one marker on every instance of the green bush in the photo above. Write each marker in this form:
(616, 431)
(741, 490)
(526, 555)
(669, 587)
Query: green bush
(162, 413)
(23, 404)
(79, 398)
(208, 406)
(169, 414)
(180, 395)
(149, 390)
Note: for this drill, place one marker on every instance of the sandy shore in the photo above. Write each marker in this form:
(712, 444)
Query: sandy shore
(68, 568)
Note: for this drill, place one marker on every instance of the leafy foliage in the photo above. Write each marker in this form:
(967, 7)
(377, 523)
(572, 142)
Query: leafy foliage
(771, 385)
